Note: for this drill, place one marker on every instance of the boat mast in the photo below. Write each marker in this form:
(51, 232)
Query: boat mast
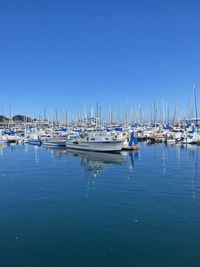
(66, 117)
(45, 117)
(56, 112)
(154, 112)
(163, 113)
(195, 102)
(10, 116)
(110, 115)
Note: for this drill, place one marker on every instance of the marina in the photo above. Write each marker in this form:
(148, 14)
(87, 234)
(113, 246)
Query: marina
(73, 207)
(96, 194)
(100, 137)
(99, 134)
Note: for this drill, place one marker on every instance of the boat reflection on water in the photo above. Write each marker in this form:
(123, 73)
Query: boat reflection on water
(93, 162)
(57, 152)
(130, 156)
(194, 155)
(2, 147)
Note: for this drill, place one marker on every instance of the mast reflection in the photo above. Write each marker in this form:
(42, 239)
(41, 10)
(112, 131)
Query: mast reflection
(2, 147)
(195, 159)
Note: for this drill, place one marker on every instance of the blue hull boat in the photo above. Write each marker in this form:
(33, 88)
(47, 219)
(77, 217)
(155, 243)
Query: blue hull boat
(35, 142)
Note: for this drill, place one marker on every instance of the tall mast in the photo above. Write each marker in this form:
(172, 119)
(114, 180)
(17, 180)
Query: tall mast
(163, 113)
(111, 118)
(45, 117)
(56, 112)
(154, 112)
(10, 115)
(195, 102)
(100, 116)
(175, 113)
(66, 117)
(167, 107)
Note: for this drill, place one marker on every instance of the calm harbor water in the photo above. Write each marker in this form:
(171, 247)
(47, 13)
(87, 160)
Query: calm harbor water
(73, 208)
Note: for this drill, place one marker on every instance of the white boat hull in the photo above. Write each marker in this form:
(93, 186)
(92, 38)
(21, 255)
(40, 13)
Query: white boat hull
(54, 143)
(96, 146)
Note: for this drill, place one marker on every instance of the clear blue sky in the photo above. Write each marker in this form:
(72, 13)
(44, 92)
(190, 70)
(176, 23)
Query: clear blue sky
(71, 53)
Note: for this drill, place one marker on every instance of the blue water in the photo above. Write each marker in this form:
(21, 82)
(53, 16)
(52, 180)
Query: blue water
(73, 208)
